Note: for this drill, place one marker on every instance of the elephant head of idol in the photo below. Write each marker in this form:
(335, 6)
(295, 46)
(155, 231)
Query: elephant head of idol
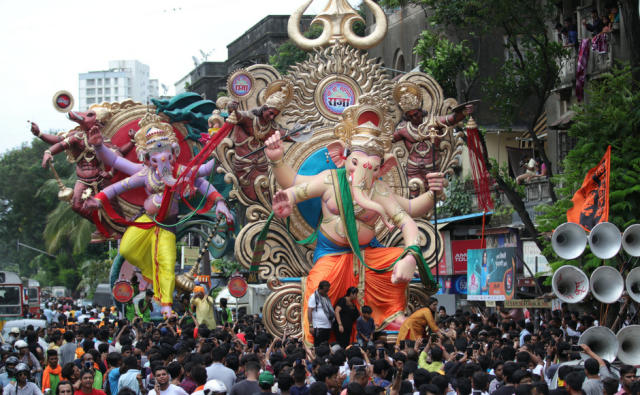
(157, 147)
(363, 149)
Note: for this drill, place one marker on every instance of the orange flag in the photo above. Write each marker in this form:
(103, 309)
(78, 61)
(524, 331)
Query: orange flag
(591, 201)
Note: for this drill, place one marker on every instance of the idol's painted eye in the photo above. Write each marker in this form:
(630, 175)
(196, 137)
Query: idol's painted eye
(354, 161)
(376, 169)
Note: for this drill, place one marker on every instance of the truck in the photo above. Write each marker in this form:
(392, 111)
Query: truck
(31, 296)
(11, 301)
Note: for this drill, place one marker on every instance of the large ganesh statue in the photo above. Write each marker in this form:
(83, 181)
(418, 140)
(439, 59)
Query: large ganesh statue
(348, 205)
(353, 198)
(132, 194)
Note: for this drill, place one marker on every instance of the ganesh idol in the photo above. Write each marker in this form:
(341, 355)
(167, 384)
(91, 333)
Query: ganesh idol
(149, 241)
(353, 198)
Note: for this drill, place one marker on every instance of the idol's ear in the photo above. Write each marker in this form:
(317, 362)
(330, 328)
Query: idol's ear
(389, 163)
(337, 153)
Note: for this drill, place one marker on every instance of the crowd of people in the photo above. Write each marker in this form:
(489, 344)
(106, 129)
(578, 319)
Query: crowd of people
(472, 352)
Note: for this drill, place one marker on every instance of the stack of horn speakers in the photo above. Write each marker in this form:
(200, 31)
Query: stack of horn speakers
(571, 285)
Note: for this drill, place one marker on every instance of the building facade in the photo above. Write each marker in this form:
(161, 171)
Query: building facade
(124, 79)
(255, 46)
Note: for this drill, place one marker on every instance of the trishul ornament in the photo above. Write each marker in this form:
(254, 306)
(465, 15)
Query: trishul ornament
(337, 20)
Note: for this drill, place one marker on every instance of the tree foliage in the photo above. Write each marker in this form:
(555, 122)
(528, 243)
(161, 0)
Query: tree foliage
(22, 213)
(526, 74)
(610, 117)
(445, 61)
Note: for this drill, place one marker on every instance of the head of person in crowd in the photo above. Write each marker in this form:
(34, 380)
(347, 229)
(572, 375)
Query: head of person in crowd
(323, 288)
(64, 388)
(86, 380)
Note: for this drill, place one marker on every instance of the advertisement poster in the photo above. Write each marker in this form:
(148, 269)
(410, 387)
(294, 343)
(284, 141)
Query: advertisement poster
(459, 253)
(491, 274)
(452, 285)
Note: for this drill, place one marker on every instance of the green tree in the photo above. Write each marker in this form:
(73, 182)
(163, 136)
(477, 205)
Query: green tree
(446, 61)
(289, 54)
(610, 117)
(22, 213)
(525, 76)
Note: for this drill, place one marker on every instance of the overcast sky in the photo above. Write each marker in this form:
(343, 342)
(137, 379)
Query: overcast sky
(45, 45)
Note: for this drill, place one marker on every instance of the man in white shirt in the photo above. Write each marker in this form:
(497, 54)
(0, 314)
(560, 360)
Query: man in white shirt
(163, 383)
(320, 313)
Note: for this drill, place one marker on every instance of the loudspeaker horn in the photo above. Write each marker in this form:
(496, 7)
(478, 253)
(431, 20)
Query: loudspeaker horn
(629, 345)
(633, 284)
(569, 240)
(602, 341)
(570, 284)
(606, 284)
(605, 240)
(631, 240)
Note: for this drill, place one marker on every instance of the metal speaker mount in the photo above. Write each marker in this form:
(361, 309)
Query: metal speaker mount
(629, 341)
(602, 341)
(632, 284)
(605, 240)
(606, 284)
(631, 240)
(570, 284)
(569, 240)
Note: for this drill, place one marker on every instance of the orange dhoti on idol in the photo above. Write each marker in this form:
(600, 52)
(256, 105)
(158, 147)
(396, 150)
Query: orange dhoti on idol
(387, 300)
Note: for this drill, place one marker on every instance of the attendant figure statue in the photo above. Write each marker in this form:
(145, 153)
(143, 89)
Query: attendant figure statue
(252, 129)
(413, 134)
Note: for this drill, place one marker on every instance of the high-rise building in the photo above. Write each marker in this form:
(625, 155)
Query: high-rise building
(124, 79)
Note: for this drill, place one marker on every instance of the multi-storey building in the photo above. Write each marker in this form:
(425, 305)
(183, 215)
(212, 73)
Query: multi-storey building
(123, 79)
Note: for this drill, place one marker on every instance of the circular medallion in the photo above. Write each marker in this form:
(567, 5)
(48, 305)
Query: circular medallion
(337, 96)
(241, 84)
(237, 286)
(63, 101)
(122, 291)
(334, 95)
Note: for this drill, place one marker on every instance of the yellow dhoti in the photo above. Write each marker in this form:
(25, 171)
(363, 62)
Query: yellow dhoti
(154, 252)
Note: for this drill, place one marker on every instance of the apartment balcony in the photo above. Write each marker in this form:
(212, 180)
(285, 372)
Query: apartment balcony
(599, 62)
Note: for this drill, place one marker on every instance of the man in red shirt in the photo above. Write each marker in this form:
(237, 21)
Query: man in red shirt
(86, 384)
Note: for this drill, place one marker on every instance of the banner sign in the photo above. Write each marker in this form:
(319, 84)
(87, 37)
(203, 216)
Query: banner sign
(452, 285)
(459, 253)
(491, 274)
(528, 303)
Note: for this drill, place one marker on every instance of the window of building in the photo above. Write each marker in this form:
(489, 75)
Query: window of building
(91, 91)
(107, 81)
(91, 100)
(99, 91)
(99, 99)
(91, 82)
(115, 80)
(107, 98)
(107, 91)
(99, 81)
(115, 90)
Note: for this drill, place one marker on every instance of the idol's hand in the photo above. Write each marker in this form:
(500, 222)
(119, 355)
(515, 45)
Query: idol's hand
(275, 148)
(222, 209)
(91, 204)
(282, 205)
(35, 129)
(94, 136)
(404, 269)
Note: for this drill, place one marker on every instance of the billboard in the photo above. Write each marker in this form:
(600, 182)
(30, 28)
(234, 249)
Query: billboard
(452, 285)
(491, 274)
(459, 253)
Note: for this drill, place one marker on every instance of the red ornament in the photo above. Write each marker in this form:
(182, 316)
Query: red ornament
(237, 286)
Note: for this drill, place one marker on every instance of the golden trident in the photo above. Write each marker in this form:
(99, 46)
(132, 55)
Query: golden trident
(337, 20)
